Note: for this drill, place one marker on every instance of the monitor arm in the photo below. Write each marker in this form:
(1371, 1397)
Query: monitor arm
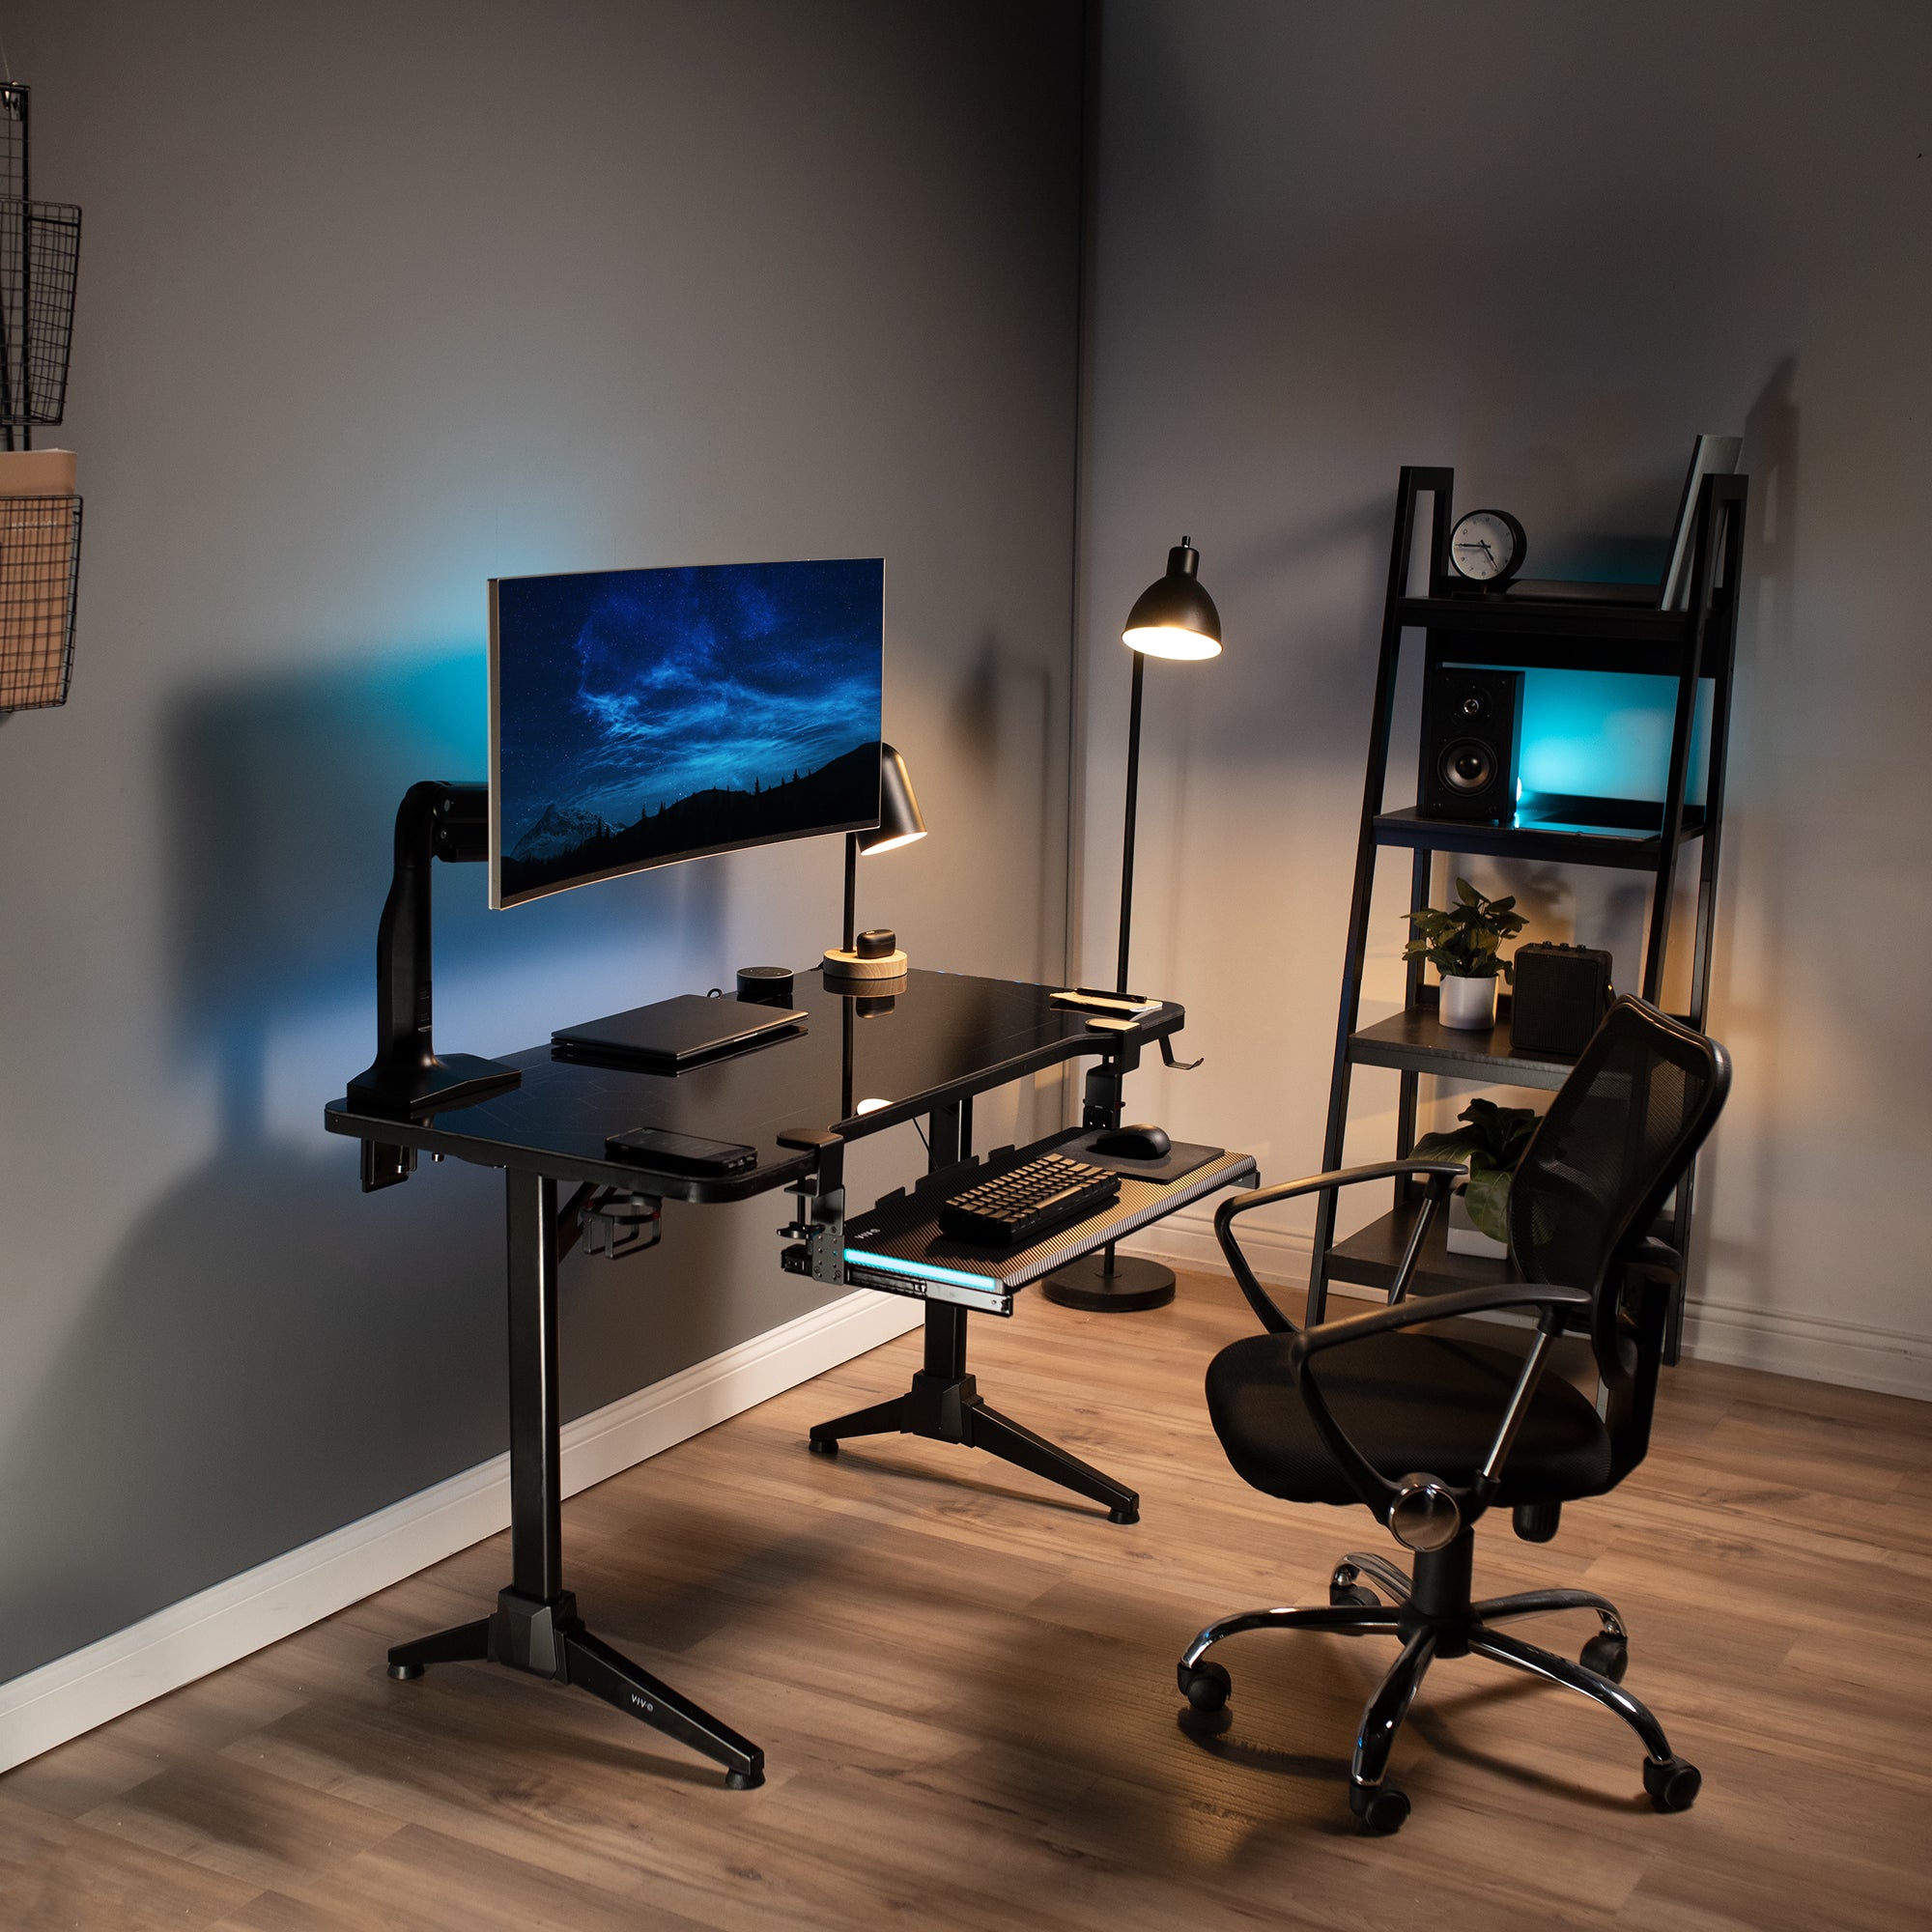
(444, 821)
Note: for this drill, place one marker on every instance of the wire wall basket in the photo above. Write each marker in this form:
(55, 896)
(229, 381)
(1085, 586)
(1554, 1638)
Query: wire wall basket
(39, 572)
(39, 254)
(40, 530)
(13, 141)
(40, 259)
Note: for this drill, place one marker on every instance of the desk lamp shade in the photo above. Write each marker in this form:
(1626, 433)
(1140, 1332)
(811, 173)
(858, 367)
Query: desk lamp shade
(899, 819)
(1174, 616)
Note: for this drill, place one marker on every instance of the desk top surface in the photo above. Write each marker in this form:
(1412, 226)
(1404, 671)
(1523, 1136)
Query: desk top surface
(947, 1035)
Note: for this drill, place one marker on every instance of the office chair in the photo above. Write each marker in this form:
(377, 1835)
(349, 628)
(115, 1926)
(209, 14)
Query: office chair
(1429, 1433)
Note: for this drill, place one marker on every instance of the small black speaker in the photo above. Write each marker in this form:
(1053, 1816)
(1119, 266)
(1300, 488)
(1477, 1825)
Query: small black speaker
(765, 985)
(1561, 995)
(1471, 726)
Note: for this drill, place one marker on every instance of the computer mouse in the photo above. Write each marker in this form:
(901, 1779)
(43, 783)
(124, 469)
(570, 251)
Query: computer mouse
(1141, 1142)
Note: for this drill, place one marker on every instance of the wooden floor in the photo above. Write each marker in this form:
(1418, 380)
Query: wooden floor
(965, 1688)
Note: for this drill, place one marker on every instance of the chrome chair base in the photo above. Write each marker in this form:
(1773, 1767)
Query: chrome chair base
(1432, 1615)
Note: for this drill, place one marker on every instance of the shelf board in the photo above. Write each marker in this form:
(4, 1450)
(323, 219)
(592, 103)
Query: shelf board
(1550, 618)
(1632, 851)
(1418, 1042)
(1372, 1256)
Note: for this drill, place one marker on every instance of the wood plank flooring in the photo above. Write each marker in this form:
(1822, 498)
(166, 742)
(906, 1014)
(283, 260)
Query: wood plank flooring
(964, 1683)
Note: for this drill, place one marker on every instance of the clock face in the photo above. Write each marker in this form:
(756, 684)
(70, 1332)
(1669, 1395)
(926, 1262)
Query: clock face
(1487, 545)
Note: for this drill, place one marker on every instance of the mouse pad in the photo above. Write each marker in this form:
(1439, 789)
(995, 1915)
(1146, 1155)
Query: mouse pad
(1180, 1159)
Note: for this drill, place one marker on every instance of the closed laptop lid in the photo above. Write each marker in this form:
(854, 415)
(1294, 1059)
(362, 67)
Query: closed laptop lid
(678, 1029)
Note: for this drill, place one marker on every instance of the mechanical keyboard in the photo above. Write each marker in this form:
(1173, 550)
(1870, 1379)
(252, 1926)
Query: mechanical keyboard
(1016, 1208)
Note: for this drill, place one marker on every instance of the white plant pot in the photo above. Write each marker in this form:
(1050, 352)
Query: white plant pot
(1464, 1237)
(1469, 1003)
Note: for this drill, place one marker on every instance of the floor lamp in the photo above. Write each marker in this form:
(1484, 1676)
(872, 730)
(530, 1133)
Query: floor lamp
(1174, 617)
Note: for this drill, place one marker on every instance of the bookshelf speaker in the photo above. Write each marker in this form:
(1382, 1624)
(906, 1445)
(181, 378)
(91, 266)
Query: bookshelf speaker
(1472, 728)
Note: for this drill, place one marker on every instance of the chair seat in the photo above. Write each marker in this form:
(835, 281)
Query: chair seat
(1411, 1404)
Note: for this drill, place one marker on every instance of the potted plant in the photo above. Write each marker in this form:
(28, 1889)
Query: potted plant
(1463, 944)
(1491, 1142)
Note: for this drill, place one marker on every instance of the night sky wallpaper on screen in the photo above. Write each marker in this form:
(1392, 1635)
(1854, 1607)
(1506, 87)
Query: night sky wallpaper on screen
(649, 715)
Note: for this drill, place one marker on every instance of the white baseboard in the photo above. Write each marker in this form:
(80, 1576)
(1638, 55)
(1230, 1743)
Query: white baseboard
(1279, 1256)
(218, 1626)
(1817, 1348)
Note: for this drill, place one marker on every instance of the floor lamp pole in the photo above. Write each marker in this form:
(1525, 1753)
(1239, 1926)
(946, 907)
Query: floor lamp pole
(1106, 1281)
(1133, 805)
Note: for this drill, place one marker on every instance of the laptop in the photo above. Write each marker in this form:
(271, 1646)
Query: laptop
(671, 1035)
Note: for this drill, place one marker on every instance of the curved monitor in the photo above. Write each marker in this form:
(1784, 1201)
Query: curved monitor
(641, 717)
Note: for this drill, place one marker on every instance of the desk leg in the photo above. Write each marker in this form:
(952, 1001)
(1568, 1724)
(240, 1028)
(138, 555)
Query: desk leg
(943, 1403)
(535, 1626)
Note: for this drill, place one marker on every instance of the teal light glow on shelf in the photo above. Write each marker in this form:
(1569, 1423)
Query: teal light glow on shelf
(923, 1270)
(1606, 734)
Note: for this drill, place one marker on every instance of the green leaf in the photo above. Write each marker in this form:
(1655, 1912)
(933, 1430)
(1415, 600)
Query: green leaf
(1468, 892)
(1446, 1146)
(1486, 1196)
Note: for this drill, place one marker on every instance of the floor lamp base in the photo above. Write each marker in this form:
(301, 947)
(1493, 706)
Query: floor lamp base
(1108, 1282)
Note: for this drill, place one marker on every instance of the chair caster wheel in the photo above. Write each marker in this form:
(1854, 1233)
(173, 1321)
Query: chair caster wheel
(1673, 1785)
(1607, 1655)
(1381, 1809)
(1341, 1595)
(1127, 1513)
(406, 1673)
(743, 1781)
(1205, 1685)
(828, 1447)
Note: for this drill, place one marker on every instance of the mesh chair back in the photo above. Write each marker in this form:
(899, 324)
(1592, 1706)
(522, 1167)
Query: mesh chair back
(1617, 1137)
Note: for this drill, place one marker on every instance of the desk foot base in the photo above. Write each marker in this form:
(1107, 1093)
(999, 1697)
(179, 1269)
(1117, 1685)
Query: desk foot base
(549, 1639)
(1110, 1284)
(467, 1643)
(951, 1410)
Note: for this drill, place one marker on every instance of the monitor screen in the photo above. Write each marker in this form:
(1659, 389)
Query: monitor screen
(641, 717)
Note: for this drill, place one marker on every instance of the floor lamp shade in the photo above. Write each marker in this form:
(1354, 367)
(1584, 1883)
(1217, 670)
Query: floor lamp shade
(1174, 616)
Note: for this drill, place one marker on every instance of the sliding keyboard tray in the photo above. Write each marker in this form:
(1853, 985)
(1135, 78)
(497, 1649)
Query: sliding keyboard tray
(895, 1246)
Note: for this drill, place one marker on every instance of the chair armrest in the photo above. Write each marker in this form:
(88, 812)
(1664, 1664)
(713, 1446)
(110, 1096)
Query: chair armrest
(1377, 1490)
(1441, 1172)
(1437, 1308)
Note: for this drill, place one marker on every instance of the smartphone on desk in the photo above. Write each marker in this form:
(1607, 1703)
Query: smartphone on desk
(680, 1154)
(1092, 1000)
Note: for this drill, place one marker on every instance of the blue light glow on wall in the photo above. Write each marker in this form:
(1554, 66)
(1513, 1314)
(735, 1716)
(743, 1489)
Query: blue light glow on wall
(1606, 734)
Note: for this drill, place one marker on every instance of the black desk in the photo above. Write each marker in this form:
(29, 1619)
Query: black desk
(949, 1037)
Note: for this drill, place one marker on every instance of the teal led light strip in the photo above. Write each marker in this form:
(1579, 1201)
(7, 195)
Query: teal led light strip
(925, 1270)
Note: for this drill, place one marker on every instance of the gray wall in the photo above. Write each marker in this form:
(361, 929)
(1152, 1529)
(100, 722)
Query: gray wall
(1544, 246)
(376, 301)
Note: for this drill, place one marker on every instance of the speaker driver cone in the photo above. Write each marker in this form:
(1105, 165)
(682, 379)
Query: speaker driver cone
(1468, 765)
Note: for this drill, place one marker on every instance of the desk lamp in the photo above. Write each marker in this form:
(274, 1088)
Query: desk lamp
(875, 956)
(1173, 617)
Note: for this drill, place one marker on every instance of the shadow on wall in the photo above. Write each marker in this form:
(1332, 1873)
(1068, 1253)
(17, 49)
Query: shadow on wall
(1325, 669)
(267, 1356)
(1744, 1007)
(283, 793)
(1007, 732)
